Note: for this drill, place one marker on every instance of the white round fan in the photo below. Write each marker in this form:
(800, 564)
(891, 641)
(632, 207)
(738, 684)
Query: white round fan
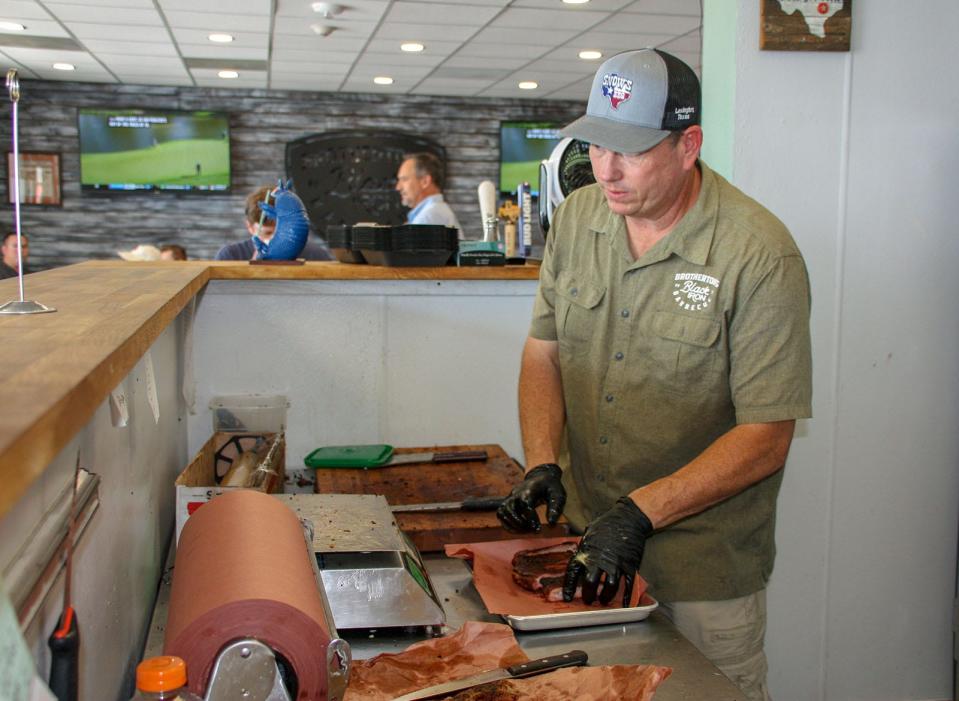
(567, 169)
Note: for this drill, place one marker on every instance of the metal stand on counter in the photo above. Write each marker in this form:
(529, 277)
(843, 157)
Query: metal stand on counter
(22, 306)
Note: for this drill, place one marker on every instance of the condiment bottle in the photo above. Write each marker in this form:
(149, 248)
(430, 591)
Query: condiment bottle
(163, 678)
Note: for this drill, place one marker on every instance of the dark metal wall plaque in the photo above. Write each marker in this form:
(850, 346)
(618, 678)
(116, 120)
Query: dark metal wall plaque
(345, 177)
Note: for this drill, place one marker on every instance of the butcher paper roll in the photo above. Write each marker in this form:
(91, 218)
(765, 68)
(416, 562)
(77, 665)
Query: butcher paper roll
(243, 570)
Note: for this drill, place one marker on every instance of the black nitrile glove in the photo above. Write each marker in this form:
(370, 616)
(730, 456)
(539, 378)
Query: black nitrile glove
(612, 544)
(542, 485)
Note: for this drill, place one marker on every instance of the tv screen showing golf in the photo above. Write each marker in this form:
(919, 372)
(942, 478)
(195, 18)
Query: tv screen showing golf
(134, 149)
(522, 145)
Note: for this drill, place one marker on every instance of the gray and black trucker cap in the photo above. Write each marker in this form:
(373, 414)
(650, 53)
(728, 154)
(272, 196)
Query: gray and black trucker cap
(637, 99)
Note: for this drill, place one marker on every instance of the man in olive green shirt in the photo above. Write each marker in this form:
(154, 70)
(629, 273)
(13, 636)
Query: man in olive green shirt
(667, 362)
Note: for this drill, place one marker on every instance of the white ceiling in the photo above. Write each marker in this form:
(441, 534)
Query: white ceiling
(473, 47)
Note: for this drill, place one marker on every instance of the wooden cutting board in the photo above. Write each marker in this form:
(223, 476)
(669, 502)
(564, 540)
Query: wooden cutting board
(427, 483)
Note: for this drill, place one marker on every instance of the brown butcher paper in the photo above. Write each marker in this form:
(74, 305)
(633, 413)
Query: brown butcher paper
(478, 647)
(493, 577)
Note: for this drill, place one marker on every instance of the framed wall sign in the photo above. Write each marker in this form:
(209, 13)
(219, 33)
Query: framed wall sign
(39, 178)
(805, 25)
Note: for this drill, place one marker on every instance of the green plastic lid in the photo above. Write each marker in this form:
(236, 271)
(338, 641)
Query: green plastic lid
(355, 456)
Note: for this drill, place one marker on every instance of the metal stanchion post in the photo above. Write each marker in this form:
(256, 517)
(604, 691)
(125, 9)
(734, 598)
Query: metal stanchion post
(22, 306)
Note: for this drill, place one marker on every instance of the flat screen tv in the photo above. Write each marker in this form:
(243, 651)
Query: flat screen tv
(522, 145)
(164, 150)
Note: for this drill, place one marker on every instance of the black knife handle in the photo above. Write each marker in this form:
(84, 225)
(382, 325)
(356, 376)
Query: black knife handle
(573, 658)
(64, 657)
(460, 456)
(481, 503)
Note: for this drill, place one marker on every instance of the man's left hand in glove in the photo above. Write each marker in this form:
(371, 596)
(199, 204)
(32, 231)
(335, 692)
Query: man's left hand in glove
(612, 546)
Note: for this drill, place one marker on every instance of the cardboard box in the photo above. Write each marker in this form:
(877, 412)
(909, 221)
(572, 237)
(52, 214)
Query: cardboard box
(197, 484)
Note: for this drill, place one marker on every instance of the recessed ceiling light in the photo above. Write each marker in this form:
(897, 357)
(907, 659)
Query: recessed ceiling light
(412, 47)
(229, 75)
(383, 80)
(590, 55)
(576, 2)
(64, 67)
(528, 85)
(220, 38)
(12, 26)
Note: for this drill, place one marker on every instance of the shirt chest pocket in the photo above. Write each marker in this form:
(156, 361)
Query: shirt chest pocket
(686, 347)
(578, 312)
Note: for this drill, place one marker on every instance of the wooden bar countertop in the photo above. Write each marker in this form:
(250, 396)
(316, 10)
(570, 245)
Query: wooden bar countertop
(58, 368)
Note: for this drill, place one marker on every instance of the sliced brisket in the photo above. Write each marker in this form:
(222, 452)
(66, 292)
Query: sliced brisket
(542, 570)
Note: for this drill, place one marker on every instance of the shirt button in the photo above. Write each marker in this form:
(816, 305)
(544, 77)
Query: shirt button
(601, 478)
(618, 356)
(574, 291)
(624, 313)
(609, 397)
(604, 440)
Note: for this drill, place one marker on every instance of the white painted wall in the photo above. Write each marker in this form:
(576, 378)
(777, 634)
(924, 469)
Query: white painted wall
(401, 362)
(853, 151)
(119, 558)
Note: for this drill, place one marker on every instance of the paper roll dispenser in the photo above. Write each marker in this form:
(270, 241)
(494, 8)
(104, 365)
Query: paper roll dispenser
(247, 606)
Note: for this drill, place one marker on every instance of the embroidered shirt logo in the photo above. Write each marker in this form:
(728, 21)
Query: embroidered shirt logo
(616, 88)
(694, 291)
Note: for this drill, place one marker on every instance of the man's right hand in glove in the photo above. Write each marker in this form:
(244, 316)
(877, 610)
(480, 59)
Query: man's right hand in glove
(542, 485)
(611, 549)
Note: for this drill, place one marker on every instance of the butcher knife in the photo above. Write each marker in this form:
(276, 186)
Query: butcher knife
(381, 455)
(574, 658)
(468, 504)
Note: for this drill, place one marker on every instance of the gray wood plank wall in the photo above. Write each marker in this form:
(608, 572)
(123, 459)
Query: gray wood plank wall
(261, 123)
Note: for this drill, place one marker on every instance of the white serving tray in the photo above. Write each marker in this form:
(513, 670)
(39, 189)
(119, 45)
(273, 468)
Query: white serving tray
(580, 619)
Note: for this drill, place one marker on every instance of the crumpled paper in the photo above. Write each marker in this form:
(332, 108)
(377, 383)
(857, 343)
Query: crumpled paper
(633, 682)
(493, 578)
(478, 647)
(474, 648)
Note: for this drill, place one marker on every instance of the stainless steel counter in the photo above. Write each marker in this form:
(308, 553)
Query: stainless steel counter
(652, 641)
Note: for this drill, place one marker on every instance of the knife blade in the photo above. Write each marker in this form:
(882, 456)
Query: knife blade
(573, 658)
(468, 504)
(454, 456)
(381, 455)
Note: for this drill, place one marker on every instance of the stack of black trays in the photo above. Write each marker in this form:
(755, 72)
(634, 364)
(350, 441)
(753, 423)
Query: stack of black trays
(339, 237)
(406, 245)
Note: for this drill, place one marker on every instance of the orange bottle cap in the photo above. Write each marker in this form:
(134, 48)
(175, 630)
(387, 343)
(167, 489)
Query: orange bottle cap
(161, 674)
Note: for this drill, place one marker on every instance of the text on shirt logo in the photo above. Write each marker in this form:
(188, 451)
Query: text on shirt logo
(694, 291)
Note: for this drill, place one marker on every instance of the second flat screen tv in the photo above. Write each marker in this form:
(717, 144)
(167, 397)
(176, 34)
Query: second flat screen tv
(522, 145)
(136, 150)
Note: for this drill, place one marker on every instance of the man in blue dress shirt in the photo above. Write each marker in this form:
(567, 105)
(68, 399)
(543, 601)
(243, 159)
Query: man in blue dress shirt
(420, 184)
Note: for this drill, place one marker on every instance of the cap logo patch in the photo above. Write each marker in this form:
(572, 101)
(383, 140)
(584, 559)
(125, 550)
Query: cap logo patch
(617, 89)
